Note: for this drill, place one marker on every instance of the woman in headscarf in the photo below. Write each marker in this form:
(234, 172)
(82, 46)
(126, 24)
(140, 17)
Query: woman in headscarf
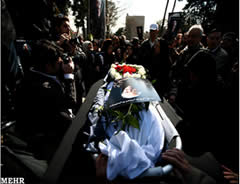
(108, 56)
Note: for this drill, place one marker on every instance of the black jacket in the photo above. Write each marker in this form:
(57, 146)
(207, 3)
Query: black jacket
(43, 114)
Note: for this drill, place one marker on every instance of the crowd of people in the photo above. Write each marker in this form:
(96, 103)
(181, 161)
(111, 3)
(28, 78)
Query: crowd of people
(196, 72)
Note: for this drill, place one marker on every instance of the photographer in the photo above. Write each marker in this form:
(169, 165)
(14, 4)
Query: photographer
(60, 30)
(46, 100)
(61, 35)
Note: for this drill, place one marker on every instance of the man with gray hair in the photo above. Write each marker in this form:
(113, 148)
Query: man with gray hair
(194, 44)
(195, 34)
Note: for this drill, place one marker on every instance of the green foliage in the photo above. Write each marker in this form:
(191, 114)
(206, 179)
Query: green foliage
(154, 81)
(63, 6)
(129, 118)
(80, 11)
(200, 11)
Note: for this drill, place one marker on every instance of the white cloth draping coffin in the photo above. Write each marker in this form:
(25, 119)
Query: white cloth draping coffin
(132, 151)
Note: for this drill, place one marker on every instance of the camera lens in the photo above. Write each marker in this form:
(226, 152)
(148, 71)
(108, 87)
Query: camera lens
(65, 58)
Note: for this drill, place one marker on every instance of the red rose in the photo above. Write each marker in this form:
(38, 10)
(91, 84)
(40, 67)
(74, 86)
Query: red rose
(123, 69)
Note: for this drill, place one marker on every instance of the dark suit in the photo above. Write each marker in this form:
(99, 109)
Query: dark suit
(146, 52)
(43, 111)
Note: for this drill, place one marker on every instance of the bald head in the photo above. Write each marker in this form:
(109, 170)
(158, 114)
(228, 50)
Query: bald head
(195, 34)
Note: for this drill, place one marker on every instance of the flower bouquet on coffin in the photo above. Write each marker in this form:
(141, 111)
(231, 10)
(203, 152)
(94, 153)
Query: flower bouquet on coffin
(119, 71)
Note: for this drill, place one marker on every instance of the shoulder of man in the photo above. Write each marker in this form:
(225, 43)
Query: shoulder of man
(222, 52)
(145, 43)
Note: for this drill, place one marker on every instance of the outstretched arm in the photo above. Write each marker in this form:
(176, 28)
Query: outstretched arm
(184, 170)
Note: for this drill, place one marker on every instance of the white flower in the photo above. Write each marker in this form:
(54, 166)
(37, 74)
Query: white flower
(135, 66)
(127, 75)
(136, 75)
(141, 71)
(113, 66)
(117, 76)
(113, 72)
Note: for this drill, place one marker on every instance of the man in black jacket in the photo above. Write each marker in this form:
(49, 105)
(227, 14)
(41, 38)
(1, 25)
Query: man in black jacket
(223, 66)
(46, 100)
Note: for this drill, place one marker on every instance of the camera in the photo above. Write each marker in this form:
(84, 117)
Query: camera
(74, 41)
(65, 58)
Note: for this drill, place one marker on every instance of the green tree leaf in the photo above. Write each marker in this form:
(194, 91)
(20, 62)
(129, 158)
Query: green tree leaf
(133, 121)
(154, 81)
